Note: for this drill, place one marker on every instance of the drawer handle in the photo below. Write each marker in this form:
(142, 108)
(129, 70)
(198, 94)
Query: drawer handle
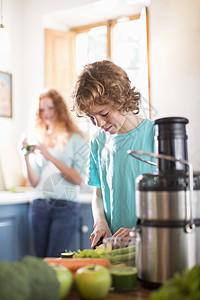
(3, 224)
(84, 228)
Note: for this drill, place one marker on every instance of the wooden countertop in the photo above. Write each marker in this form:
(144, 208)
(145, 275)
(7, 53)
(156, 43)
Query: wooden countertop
(139, 293)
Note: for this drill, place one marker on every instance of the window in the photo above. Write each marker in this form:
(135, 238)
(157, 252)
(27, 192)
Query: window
(124, 41)
(91, 46)
(130, 52)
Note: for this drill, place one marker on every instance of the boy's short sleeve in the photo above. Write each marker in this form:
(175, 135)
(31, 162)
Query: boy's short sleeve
(93, 176)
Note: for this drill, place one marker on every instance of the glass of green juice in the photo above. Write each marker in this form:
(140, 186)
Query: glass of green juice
(121, 252)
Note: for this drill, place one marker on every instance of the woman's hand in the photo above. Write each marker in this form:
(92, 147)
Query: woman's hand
(32, 176)
(27, 149)
(101, 230)
(24, 143)
(124, 232)
(43, 151)
(69, 174)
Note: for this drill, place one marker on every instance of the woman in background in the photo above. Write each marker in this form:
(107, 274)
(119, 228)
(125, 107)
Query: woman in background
(56, 174)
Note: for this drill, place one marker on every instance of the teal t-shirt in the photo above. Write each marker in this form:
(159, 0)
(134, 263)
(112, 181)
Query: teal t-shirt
(114, 171)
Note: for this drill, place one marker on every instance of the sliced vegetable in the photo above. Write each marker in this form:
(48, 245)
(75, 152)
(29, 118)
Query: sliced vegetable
(100, 248)
(74, 264)
(88, 253)
(67, 255)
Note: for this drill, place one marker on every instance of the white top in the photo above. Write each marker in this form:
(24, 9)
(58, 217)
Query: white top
(51, 183)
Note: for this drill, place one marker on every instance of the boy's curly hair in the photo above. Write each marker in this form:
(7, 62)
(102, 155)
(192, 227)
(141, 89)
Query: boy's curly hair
(104, 83)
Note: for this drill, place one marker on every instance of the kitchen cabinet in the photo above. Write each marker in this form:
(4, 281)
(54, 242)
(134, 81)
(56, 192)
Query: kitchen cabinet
(15, 241)
(14, 231)
(82, 238)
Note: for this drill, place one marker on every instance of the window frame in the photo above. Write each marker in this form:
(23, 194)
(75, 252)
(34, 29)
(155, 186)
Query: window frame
(110, 26)
(52, 55)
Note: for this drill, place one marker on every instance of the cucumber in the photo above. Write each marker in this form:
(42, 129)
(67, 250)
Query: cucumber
(122, 258)
(67, 255)
(122, 250)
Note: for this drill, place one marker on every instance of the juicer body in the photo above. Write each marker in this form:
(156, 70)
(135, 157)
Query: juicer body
(164, 246)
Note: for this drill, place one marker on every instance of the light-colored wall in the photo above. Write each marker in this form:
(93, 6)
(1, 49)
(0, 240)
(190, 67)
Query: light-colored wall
(174, 61)
(11, 63)
(175, 65)
(24, 22)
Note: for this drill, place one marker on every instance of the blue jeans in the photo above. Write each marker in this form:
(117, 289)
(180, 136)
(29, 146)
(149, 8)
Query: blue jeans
(53, 225)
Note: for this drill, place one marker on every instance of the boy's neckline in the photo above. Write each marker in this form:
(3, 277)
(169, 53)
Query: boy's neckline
(132, 122)
(128, 132)
(136, 123)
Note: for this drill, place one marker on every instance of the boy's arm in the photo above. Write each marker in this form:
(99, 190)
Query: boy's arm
(101, 229)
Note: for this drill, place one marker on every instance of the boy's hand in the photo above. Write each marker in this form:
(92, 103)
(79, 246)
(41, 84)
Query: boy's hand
(123, 232)
(101, 230)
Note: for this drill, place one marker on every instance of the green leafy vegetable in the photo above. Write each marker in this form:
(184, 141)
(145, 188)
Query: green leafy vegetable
(115, 256)
(180, 287)
(89, 253)
(28, 279)
(43, 282)
(13, 282)
(14, 190)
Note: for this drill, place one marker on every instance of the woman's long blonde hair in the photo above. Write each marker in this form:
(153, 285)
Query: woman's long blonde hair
(64, 125)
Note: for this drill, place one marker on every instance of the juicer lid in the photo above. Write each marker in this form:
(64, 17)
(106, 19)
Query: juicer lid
(169, 120)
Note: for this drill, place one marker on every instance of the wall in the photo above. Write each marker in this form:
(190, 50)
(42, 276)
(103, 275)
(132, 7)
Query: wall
(24, 22)
(11, 63)
(174, 61)
(175, 65)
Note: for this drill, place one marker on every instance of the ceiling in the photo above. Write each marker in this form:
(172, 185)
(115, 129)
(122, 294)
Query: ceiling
(97, 11)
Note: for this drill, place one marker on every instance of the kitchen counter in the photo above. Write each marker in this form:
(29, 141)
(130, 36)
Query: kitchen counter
(140, 293)
(25, 195)
(22, 196)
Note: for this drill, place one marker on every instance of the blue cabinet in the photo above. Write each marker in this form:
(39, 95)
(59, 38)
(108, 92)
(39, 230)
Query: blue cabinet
(14, 231)
(86, 227)
(15, 241)
(82, 238)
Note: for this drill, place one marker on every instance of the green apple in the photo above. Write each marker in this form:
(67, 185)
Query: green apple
(93, 281)
(65, 279)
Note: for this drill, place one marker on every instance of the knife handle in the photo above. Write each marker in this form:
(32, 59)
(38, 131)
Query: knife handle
(99, 243)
